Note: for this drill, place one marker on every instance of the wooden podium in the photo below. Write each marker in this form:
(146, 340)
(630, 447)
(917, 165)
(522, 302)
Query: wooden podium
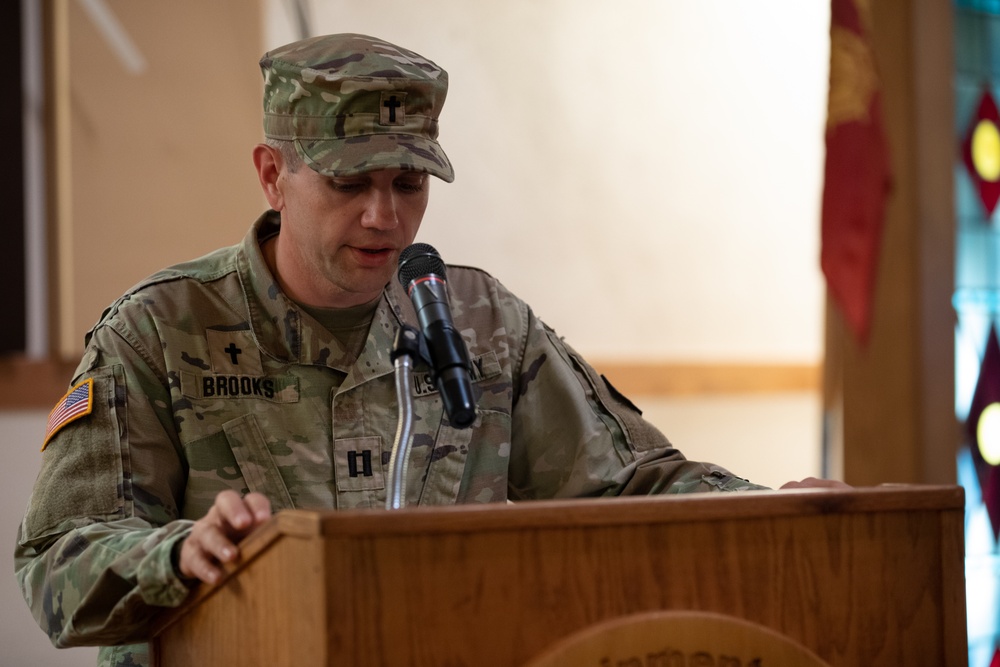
(860, 577)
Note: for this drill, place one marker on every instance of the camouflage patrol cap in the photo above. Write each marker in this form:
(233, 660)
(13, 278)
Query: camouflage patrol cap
(352, 103)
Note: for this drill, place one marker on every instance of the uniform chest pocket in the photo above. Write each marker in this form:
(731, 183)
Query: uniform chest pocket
(469, 465)
(255, 461)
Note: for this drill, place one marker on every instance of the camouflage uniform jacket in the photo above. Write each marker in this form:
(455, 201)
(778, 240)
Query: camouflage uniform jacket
(207, 377)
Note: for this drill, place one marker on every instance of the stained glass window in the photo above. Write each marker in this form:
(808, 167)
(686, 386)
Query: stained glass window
(977, 305)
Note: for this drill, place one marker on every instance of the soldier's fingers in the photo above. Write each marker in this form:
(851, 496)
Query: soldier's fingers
(214, 542)
(259, 506)
(232, 512)
(202, 548)
(195, 563)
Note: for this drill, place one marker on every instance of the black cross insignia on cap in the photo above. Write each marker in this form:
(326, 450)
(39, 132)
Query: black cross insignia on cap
(391, 108)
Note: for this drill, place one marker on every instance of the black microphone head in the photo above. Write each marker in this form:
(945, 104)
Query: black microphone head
(418, 260)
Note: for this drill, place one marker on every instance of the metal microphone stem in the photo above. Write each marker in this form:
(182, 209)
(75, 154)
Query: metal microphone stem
(405, 349)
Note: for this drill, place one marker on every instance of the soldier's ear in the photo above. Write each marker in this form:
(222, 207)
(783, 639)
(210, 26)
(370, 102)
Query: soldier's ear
(270, 165)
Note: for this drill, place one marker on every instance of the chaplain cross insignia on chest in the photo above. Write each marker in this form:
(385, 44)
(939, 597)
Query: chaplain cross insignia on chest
(233, 352)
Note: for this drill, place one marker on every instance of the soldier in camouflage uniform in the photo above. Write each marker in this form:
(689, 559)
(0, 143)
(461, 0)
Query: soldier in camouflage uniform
(257, 378)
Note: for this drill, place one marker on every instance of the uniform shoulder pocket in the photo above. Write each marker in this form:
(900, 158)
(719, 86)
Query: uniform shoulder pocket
(640, 435)
(84, 474)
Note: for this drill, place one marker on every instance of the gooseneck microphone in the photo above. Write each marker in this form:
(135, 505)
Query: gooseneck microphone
(422, 275)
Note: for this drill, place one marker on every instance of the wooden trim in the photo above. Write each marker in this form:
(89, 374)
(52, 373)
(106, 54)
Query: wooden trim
(633, 510)
(26, 384)
(684, 379)
(39, 384)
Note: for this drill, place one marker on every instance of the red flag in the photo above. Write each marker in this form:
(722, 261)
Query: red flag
(982, 428)
(858, 176)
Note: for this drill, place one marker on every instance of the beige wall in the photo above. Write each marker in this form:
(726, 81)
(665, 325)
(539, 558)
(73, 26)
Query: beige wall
(645, 173)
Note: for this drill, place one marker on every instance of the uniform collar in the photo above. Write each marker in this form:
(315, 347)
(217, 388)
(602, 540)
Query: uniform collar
(288, 334)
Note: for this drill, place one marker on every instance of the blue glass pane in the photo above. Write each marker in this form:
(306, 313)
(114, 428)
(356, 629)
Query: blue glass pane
(988, 6)
(970, 214)
(977, 268)
(968, 89)
(982, 570)
(969, 44)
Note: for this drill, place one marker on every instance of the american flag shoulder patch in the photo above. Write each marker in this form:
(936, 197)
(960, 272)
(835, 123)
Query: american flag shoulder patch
(78, 402)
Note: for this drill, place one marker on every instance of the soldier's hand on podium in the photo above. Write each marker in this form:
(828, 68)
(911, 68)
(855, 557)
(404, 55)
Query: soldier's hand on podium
(213, 538)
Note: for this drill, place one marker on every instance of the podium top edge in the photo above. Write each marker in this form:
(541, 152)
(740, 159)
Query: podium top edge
(619, 511)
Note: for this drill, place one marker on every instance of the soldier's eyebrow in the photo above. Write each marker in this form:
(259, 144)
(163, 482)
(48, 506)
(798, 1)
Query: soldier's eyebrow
(355, 178)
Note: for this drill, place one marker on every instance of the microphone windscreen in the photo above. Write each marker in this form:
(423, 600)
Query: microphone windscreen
(418, 260)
